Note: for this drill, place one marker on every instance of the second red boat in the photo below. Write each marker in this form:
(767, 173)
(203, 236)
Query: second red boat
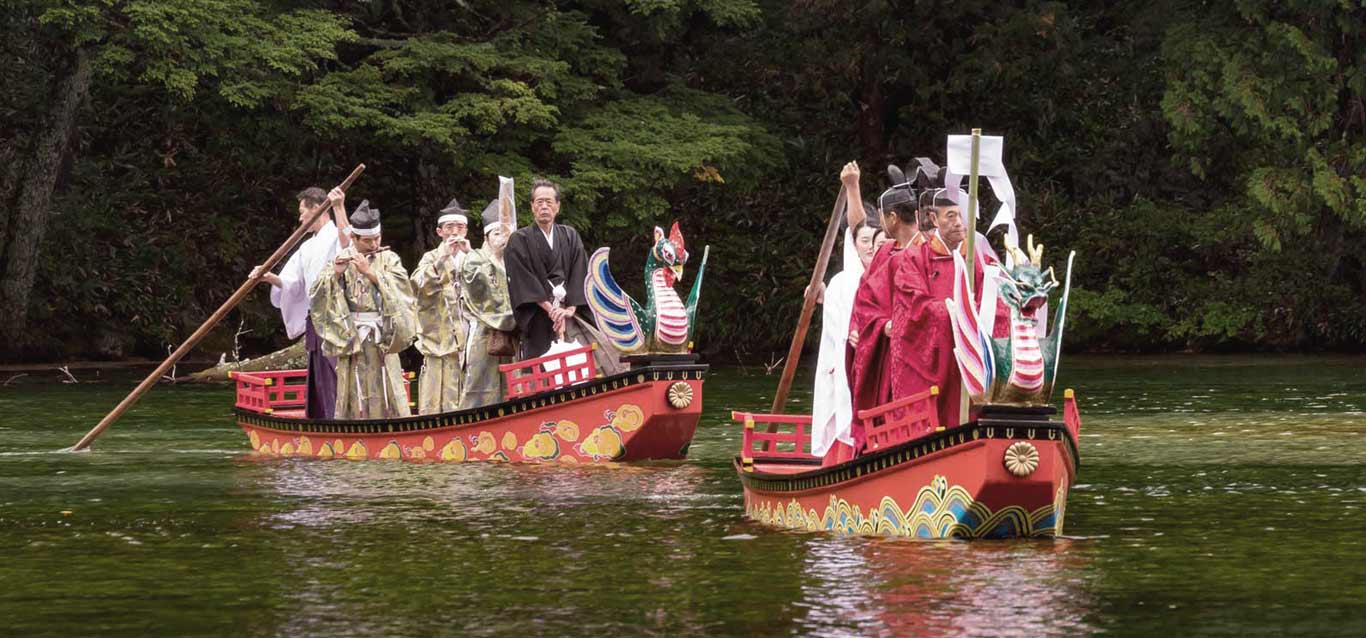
(1005, 474)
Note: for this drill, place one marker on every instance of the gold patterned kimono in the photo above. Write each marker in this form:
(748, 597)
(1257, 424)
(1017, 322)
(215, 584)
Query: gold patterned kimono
(365, 325)
(487, 307)
(440, 333)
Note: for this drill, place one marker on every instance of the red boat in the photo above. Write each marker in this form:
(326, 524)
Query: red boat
(563, 412)
(1005, 474)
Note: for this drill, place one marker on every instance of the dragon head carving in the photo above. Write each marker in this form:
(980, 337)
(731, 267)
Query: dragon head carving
(1017, 369)
(1025, 287)
(668, 253)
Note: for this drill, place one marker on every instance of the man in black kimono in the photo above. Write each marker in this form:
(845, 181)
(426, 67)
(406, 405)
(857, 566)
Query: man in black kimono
(546, 266)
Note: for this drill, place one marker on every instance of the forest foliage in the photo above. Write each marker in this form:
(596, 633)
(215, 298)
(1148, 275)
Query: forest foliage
(1207, 161)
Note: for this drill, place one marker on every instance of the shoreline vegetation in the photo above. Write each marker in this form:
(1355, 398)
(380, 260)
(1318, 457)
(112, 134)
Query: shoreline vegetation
(1203, 159)
(208, 371)
(292, 357)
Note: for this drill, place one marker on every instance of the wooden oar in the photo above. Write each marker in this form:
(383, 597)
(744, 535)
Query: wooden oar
(242, 291)
(794, 351)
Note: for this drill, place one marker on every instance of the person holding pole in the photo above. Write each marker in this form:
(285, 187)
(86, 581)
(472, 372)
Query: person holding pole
(204, 328)
(921, 335)
(289, 292)
(831, 406)
(487, 305)
(867, 363)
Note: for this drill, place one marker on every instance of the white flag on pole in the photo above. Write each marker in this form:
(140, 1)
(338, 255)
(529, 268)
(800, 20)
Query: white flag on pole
(991, 166)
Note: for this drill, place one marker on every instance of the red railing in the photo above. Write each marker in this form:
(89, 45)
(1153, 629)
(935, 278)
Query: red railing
(283, 392)
(270, 392)
(533, 376)
(901, 420)
(1071, 417)
(794, 444)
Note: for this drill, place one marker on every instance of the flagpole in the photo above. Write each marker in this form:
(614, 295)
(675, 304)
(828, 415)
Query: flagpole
(965, 404)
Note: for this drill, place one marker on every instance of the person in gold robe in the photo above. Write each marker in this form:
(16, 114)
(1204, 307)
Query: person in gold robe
(362, 308)
(441, 332)
(488, 313)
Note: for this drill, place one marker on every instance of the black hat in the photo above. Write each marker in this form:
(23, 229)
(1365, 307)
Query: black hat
(453, 208)
(491, 215)
(900, 191)
(930, 179)
(926, 173)
(365, 221)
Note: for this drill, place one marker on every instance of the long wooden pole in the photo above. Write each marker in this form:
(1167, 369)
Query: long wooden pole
(965, 403)
(242, 291)
(794, 351)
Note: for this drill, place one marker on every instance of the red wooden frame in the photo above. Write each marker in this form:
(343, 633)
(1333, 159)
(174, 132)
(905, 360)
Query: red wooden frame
(1071, 416)
(531, 377)
(799, 437)
(901, 420)
(269, 392)
(283, 392)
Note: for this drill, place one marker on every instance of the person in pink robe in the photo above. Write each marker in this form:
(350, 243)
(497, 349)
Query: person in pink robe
(867, 360)
(921, 345)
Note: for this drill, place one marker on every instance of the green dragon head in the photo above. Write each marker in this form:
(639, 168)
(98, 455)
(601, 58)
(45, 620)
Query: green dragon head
(1026, 286)
(668, 253)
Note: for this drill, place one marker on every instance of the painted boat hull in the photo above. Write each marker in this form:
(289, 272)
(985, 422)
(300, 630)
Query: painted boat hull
(624, 417)
(949, 484)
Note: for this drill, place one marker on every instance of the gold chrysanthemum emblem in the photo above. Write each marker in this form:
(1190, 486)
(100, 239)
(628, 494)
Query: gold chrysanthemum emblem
(680, 395)
(1022, 458)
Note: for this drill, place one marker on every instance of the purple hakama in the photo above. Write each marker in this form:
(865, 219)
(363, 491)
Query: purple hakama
(322, 376)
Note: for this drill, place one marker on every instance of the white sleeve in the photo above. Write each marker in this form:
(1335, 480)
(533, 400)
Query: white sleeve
(291, 297)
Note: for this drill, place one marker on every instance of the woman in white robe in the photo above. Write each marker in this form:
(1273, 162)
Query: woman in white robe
(832, 408)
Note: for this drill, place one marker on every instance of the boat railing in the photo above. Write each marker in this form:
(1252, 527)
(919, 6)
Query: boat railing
(550, 372)
(901, 420)
(284, 392)
(1071, 416)
(271, 391)
(776, 445)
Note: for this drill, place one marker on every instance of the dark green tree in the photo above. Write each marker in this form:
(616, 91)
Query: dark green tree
(243, 50)
(1267, 104)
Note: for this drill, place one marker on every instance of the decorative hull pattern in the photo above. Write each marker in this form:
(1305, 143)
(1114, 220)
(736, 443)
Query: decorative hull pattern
(645, 413)
(1005, 475)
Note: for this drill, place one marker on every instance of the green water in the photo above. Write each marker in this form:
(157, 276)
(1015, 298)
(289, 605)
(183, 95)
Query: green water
(1217, 496)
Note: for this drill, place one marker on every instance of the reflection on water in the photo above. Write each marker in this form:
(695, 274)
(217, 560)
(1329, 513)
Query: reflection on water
(328, 495)
(897, 588)
(1216, 496)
